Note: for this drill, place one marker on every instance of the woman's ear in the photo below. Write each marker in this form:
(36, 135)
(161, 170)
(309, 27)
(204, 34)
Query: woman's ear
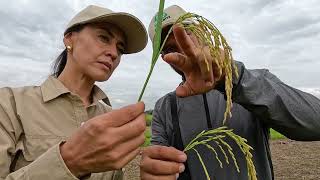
(67, 39)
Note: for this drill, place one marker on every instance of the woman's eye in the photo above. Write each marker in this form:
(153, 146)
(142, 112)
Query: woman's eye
(120, 50)
(104, 38)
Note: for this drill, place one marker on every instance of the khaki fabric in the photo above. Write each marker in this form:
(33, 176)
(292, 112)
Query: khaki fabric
(133, 28)
(35, 120)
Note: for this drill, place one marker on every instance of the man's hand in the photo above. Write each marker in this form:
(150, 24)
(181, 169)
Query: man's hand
(106, 142)
(161, 163)
(195, 62)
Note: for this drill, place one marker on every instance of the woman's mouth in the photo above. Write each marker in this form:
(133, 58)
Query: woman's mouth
(106, 65)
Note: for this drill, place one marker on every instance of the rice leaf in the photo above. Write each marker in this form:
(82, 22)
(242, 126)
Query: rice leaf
(156, 46)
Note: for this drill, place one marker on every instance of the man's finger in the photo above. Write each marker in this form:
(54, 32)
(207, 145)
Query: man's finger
(194, 39)
(165, 153)
(160, 167)
(184, 41)
(177, 60)
(124, 115)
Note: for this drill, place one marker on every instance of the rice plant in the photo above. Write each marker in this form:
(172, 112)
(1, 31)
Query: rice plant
(156, 46)
(209, 36)
(218, 137)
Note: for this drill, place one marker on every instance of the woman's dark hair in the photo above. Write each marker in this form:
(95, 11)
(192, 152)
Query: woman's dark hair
(61, 60)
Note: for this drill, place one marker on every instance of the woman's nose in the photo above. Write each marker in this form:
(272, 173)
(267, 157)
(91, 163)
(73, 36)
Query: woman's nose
(112, 50)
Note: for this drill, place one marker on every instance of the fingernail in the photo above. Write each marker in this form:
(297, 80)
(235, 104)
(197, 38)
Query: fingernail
(181, 168)
(182, 157)
(177, 176)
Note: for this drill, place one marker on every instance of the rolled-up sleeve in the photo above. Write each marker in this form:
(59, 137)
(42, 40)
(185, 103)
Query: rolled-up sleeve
(10, 130)
(49, 166)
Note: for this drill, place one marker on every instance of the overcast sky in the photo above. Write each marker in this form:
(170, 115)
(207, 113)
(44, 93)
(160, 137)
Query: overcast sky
(281, 35)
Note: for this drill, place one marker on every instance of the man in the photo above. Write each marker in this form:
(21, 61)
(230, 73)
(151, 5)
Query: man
(260, 102)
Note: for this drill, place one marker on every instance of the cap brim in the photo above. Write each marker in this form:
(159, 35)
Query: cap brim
(133, 28)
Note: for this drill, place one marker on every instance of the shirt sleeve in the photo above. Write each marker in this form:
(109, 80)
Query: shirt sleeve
(10, 131)
(292, 112)
(49, 165)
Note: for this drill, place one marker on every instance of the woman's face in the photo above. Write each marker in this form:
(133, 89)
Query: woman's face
(96, 50)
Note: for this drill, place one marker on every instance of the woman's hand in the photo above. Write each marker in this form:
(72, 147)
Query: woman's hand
(106, 142)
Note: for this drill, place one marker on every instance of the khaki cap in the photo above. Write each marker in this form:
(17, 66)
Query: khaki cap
(170, 16)
(132, 27)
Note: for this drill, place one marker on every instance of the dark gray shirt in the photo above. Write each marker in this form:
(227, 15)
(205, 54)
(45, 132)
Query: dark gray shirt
(260, 101)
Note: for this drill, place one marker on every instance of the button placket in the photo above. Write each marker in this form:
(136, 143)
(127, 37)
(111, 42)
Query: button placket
(80, 111)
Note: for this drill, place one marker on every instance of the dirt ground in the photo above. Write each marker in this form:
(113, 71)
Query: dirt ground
(292, 160)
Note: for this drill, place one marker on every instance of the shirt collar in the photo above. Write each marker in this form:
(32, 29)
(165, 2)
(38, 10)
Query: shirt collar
(53, 88)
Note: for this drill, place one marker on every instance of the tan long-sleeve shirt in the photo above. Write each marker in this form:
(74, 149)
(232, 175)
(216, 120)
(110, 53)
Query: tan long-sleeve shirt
(35, 120)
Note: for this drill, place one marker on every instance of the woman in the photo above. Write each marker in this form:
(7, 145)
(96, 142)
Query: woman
(42, 129)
